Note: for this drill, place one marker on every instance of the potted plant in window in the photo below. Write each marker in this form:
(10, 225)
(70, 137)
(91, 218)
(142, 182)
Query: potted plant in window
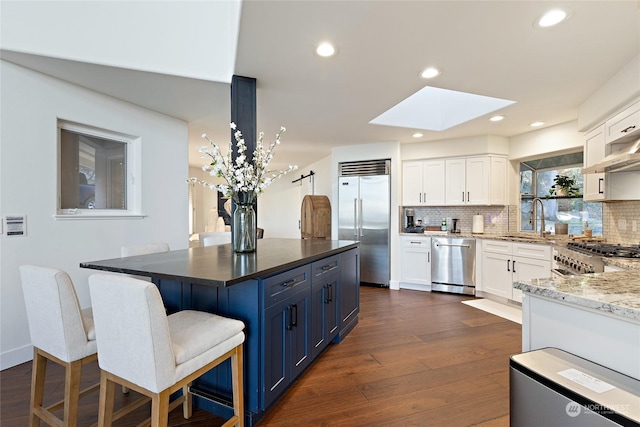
(564, 186)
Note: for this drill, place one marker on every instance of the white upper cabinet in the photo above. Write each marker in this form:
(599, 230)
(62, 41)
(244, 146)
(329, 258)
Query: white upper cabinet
(593, 185)
(455, 182)
(423, 183)
(476, 181)
(623, 124)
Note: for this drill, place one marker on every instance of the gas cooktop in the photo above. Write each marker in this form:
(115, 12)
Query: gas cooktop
(606, 249)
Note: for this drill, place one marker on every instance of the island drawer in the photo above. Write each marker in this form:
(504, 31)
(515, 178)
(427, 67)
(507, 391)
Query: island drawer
(325, 267)
(281, 286)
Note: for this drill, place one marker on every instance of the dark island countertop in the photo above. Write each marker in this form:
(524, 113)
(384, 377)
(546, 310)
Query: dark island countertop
(220, 266)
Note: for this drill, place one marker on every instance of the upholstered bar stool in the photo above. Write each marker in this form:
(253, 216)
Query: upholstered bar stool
(154, 354)
(60, 332)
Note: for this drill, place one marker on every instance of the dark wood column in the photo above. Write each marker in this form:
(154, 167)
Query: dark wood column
(243, 114)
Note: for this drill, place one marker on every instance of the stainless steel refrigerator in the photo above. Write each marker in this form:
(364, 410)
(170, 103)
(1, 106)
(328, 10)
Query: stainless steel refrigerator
(364, 214)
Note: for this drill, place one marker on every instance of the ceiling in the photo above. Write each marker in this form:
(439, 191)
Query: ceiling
(488, 48)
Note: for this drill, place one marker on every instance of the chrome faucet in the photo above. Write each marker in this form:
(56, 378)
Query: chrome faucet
(533, 214)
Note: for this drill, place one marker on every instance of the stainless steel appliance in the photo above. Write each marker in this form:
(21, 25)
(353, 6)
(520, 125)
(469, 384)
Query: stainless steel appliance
(410, 213)
(364, 214)
(411, 226)
(453, 265)
(549, 387)
(586, 257)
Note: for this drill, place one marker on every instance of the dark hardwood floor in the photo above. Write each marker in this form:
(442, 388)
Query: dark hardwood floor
(415, 359)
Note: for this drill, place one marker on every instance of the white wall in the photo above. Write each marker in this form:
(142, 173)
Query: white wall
(31, 103)
(189, 39)
(279, 206)
(205, 199)
(612, 97)
(459, 147)
(559, 139)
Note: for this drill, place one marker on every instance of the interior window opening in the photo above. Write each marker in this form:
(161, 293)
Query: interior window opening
(537, 179)
(92, 172)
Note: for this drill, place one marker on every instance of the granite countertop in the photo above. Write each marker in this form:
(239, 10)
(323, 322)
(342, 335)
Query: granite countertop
(626, 263)
(616, 293)
(220, 266)
(522, 237)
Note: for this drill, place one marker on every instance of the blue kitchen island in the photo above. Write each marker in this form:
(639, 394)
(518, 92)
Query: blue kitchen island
(295, 297)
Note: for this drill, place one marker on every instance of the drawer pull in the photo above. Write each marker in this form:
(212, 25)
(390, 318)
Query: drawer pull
(290, 283)
(627, 129)
(328, 267)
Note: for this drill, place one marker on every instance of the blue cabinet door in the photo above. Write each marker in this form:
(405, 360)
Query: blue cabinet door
(299, 332)
(325, 313)
(349, 291)
(276, 376)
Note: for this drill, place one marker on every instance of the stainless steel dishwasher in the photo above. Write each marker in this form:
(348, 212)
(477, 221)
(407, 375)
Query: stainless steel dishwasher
(453, 265)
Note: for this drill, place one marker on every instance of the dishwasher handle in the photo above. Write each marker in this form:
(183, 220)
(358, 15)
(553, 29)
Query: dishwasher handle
(453, 245)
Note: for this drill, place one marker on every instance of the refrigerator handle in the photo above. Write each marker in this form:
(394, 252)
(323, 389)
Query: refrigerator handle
(355, 218)
(361, 222)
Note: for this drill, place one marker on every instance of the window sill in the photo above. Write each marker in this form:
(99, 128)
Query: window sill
(78, 215)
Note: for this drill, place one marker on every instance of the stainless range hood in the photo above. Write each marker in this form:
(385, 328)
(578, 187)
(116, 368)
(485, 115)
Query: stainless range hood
(626, 158)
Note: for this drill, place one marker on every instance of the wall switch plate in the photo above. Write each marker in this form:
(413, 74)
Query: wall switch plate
(622, 224)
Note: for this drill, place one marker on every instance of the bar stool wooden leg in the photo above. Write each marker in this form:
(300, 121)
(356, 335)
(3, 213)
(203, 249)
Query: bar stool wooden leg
(73, 371)
(237, 381)
(39, 369)
(105, 407)
(187, 405)
(160, 409)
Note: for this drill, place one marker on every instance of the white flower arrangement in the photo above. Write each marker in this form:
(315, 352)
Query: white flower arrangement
(245, 180)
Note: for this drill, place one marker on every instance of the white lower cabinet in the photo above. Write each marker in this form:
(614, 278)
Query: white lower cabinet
(505, 262)
(415, 262)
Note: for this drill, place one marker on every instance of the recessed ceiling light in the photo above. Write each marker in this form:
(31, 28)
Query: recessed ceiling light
(496, 118)
(417, 135)
(429, 73)
(536, 124)
(551, 18)
(326, 49)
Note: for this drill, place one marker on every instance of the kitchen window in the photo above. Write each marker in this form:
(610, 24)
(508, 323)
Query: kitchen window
(93, 170)
(536, 179)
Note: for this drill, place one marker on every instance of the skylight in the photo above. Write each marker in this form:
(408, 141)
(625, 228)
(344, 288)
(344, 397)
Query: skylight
(438, 109)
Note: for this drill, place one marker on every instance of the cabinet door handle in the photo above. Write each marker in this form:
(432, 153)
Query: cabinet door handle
(630, 128)
(600, 181)
(294, 315)
(424, 197)
(329, 288)
(467, 196)
(428, 257)
(463, 196)
(513, 266)
(508, 262)
(290, 313)
(420, 197)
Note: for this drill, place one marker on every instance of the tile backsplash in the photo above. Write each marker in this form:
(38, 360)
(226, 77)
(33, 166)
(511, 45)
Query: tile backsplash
(621, 222)
(497, 219)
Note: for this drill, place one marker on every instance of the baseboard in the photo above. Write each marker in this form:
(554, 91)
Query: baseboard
(414, 287)
(11, 358)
